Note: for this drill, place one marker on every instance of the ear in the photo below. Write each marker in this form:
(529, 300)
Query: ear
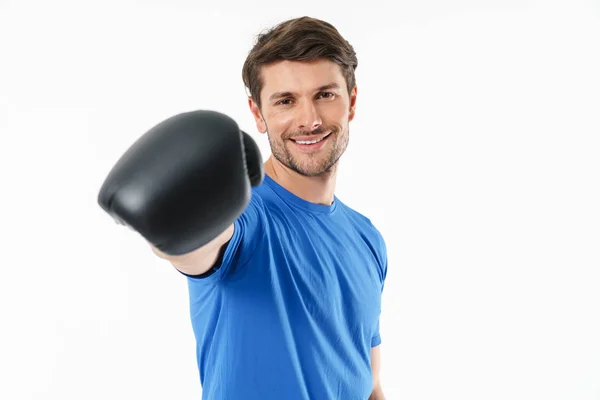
(258, 118)
(353, 103)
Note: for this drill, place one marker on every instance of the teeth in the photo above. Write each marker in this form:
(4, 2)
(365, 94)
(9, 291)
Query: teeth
(306, 142)
(311, 141)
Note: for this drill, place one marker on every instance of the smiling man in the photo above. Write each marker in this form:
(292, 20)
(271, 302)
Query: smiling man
(292, 309)
(324, 264)
(285, 280)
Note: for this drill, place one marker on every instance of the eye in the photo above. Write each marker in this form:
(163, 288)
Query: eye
(284, 102)
(327, 95)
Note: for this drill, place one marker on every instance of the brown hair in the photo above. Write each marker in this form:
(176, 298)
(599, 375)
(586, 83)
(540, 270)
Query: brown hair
(299, 39)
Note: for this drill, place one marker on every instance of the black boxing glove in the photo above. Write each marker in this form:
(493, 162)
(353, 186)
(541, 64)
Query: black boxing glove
(184, 181)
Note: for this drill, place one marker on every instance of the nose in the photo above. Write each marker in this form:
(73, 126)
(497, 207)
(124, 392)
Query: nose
(308, 117)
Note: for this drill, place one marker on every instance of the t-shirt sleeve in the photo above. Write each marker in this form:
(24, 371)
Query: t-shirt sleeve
(383, 261)
(376, 339)
(247, 232)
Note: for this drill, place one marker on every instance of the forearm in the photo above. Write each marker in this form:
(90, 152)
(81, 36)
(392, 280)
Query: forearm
(377, 394)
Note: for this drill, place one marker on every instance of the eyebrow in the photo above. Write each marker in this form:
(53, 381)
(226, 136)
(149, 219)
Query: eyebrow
(278, 95)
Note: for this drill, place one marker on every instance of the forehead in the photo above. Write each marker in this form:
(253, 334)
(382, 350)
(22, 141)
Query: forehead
(299, 76)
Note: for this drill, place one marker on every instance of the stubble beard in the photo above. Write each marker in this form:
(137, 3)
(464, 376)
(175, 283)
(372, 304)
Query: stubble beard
(310, 164)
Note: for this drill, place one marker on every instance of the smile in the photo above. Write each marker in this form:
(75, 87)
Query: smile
(308, 144)
(311, 141)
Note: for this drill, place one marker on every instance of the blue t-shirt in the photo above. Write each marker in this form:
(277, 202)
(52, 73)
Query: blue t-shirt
(293, 310)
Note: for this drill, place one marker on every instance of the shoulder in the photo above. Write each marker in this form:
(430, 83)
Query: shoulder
(263, 196)
(368, 231)
(373, 237)
(259, 201)
(262, 210)
(364, 223)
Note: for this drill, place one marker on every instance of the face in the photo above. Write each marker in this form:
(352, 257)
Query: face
(306, 111)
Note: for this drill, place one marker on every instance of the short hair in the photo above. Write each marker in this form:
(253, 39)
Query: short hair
(299, 39)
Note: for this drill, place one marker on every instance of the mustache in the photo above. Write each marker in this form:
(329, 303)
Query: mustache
(316, 132)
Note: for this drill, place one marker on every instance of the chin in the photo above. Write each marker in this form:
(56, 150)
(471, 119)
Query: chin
(312, 170)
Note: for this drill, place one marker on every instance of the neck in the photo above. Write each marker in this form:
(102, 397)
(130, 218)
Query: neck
(315, 189)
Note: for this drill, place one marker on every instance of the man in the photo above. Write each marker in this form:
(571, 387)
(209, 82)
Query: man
(285, 302)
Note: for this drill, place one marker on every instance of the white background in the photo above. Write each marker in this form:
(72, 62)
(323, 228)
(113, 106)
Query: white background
(475, 151)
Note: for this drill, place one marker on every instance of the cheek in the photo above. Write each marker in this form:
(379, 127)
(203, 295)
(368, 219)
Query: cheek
(337, 111)
(279, 123)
